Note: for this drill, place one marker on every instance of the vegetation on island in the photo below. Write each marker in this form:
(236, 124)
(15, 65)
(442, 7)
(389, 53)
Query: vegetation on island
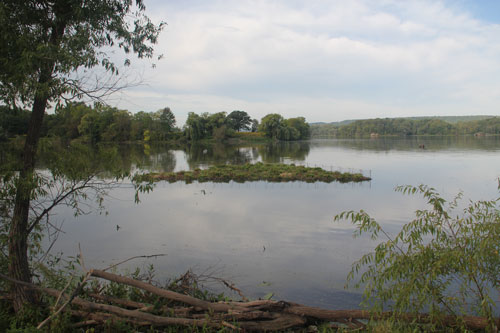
(409, 126)
(254, 172)
(219, 126)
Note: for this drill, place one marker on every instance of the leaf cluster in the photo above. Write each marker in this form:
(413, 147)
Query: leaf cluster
(60, 37)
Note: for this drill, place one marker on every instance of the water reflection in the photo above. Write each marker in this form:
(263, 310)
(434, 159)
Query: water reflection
(279, 152)
(164, 157)
(109, 158)
(202, 155)
(306, 255)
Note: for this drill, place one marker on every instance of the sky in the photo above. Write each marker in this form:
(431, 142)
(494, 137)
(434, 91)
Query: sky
(326, 60)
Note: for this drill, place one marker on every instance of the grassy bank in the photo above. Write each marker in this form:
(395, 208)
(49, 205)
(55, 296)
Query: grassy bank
(255, 172)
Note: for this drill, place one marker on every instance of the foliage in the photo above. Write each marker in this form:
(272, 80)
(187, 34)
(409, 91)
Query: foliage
(442, 262)
(206, 126)
(78, 177)
(46, 50)
(254, 172)
(195, 128)
(254, 126)
(271, 125)
(100, 123)
(67, 274)
(239, 120)
(62, 37)
(166, 120)
(219, 126)
(324, 130)
(409, 126)
(396, 126)
(13, 122)
(274, 126)
(250, 136)
(300, 127)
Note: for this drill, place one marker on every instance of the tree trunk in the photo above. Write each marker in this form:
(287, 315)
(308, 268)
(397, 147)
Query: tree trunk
(18, 233)
(19, 229)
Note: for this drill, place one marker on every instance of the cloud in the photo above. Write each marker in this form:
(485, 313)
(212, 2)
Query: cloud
(371, 58)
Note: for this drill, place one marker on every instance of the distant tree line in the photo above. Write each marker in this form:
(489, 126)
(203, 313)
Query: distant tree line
(407, 126)
(101, 123)
(93, 124)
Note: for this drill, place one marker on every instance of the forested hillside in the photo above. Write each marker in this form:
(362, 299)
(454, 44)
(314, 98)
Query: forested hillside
(408, 126)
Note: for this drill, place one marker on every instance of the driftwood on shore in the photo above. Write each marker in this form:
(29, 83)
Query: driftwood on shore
(188, 311)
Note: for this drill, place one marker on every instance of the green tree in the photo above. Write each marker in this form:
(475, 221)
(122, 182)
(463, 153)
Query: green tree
(66, 120)
(89, 127)
(206, 125)
(301, 126)
(119, 128)
(195, 127)
(42, 44)
(13, 122)
(255, 125)
(239, 120)
(166, 121)
(141, 122)
(216, 124)
(271, 125)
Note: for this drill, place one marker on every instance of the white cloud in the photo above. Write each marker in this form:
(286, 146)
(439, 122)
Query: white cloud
(374, 59)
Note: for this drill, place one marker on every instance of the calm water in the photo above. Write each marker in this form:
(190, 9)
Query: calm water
(277, 238)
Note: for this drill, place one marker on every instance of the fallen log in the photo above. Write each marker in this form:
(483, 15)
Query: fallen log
(86, 323)
(471, 322)
(198, 303)
(260, 315)
(102, 317)
(134, 314)
(120, 301)
(254, 315)
(283, 322)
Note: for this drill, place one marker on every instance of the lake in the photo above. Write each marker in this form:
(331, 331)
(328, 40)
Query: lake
(275, 237)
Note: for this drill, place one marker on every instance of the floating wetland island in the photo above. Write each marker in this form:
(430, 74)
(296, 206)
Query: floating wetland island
(255, 172)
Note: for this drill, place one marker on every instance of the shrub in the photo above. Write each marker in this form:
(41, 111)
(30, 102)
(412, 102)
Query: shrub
(444, 261)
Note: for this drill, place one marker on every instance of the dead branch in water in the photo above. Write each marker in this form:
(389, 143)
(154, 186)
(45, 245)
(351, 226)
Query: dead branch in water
(187, 311)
